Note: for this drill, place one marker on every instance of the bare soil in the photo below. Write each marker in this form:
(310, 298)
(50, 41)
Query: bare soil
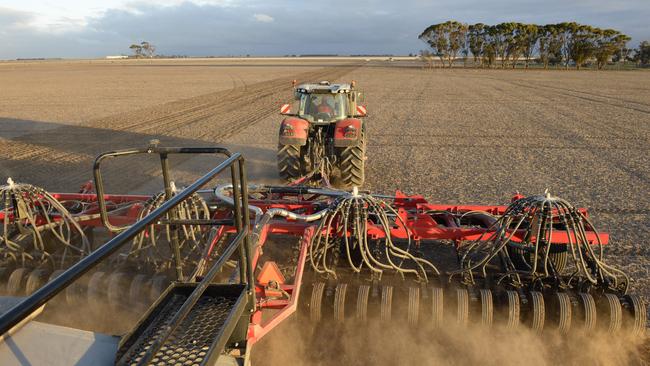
(465, 136)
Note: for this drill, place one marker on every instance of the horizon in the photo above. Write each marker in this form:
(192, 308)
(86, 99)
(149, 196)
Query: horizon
(74, 29)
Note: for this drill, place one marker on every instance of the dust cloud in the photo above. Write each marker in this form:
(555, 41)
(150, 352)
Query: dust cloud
(302, 343)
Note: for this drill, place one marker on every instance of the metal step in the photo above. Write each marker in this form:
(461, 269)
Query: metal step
(200, 337)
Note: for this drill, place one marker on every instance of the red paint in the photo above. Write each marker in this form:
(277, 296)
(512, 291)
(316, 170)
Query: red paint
(294, 131)
(414, 210)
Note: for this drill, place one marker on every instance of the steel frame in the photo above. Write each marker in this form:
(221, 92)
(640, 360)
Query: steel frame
(414, 211)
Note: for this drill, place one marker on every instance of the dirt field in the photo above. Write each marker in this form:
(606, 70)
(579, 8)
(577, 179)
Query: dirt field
(466, 136)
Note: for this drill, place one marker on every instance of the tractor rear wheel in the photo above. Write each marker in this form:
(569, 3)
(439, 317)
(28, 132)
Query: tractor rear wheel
(289, 162)
(351, 163)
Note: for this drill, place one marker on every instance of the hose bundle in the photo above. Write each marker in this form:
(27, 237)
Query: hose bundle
(146, 246)
(343, 231)
(536, 219)
(32, 219)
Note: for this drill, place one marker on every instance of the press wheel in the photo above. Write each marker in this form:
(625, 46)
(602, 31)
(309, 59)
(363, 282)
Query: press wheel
(386, 303)
(437, 313)
(462, 303)
(611, 319)
(634, 318)
(538, 311)
(35, 280)
(588, 311)
(316, 301)
(159, 284)
(117, 287)
(339, 302)
(137, 290)
(16, 282)
(514, 309)
(487, 307)
(414, 306)
(96, 294)
(561, 311)
(362, 302)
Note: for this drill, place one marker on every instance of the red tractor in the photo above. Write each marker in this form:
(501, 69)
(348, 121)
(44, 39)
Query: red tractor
(325, 134)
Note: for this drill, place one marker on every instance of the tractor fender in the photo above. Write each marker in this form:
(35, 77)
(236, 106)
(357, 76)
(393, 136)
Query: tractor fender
(347, 132)
(294, 131)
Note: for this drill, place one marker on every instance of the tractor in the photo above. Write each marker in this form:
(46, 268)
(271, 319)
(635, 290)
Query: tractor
(325, 134)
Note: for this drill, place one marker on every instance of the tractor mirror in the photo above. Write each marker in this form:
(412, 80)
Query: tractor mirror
(285, 109)
(361, 111)
(360, 97)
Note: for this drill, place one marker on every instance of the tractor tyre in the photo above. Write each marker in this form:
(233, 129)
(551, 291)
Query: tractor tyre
(352, 163)
(289, 162)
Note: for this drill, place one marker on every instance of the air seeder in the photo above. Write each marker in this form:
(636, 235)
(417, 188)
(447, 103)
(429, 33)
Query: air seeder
(241, 259)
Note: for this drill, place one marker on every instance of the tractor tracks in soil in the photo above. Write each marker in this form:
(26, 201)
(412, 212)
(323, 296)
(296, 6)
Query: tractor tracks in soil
(606, 141)
(594, 97)
(582, 95)
(61, 157)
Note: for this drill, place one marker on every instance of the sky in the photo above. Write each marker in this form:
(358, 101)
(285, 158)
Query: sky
(96, 28)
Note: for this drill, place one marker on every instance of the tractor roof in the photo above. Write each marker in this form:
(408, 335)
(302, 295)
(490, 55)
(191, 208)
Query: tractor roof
(323, 87)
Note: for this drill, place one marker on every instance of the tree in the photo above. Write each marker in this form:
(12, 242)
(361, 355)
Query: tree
(498, 39)
(445, 40)
(581, 44)
(642, 53)
(489, 54)
(434, 36)
(148, 49)
(476, 41)
(510, 43)
(137, 50)
(547, 35)
(457, 40)
(517, 41)
(555, 45)
(565, 33)
(608, 43)
(530, 38)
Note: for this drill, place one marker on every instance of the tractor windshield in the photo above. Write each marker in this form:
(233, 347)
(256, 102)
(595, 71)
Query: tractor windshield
(323, 107)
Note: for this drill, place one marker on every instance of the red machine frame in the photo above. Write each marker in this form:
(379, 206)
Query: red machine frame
(282, 297)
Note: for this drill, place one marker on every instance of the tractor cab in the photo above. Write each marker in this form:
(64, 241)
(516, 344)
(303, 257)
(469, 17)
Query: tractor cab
(324, 103)
(323, 108)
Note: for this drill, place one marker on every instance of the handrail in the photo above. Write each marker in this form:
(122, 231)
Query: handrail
(26, 307)
(163, 152)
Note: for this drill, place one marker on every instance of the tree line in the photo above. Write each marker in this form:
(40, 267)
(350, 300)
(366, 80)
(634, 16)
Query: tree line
(507, 44)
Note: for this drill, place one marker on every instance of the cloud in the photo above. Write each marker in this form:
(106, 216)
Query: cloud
(229, 27)
(10, 18)
(264, 18)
